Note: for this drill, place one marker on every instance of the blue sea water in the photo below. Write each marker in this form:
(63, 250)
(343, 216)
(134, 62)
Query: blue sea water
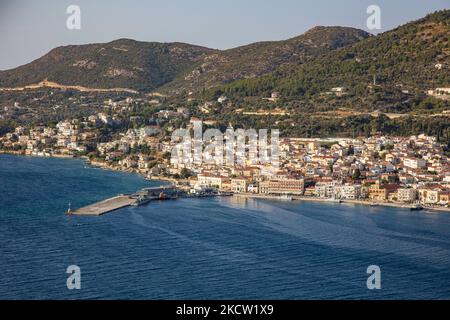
(205, 248)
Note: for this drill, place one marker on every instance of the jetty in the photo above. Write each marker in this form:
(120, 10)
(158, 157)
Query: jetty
(105, 206)
(122, 201)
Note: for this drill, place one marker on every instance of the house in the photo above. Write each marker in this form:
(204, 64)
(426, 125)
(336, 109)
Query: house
(253, 188)
(379, 192)
(226, 185)
(444, 198)
(222, 99)
(406, 195)
(428, 195)
(149, 131)
(337, 91)
(414, 163)
(207, 180)
(239, 185)
(350, 192)
(324, 190)
(128, 163)
(106, 119)
(274, 97)
(143, 162)
(309, 192)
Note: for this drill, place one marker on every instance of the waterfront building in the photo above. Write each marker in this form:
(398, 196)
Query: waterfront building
(406, 195)
(207, 180)
(286, 186)
(349, 192)
(253, 188)
(324, 189)
(444, 198)
(428, 196)
(264, 187)
(380, 192)
(226, 185)
(239, 185)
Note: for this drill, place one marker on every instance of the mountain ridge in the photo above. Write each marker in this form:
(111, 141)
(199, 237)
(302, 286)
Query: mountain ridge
(119, 63)
(147, 66)
(302, 66)
(405, 61)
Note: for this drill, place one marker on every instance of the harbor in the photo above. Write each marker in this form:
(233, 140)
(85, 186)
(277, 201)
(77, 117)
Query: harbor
(103, 207)
(204, 234)
(142, 197)
(147, 195)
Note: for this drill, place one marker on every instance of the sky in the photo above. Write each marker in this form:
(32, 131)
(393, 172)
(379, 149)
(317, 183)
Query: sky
(31, 28)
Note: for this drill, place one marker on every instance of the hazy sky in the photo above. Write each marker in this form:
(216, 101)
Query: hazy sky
(30, 28)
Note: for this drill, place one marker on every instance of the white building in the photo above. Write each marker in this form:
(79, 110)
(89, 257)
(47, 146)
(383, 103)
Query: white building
(414, 163)
(222, 99)
(350, 192)
(206, 180)
(324, 189)
(406, 195)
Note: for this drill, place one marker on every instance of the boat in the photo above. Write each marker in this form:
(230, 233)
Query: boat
(141, 201)
(286, 197)
(416, 208)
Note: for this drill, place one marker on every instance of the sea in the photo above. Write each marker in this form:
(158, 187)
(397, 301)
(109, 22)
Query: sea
(224, 248)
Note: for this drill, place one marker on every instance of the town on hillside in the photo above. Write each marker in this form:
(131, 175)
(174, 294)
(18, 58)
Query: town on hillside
(410, 170)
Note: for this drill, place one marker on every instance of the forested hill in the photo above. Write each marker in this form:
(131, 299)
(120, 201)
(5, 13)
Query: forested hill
(411, 58)
(260, 58)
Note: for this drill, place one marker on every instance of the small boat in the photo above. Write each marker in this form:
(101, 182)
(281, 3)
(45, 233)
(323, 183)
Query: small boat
(416, 208)
(140, 201)
(285, 197)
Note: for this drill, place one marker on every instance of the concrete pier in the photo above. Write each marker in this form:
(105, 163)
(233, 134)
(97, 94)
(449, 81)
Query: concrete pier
(105, 206)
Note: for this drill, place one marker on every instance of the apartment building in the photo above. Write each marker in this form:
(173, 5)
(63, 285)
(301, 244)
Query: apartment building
(406, 195)
(286, 186)
(239, 185)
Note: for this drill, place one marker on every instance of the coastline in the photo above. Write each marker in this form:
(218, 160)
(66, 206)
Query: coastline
(94, 164)
(105, 166)
(354, 202)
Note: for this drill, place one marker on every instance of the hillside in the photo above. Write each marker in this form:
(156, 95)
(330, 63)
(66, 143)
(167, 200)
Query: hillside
(259, 58)
(122, 63)
(405, 61)
(147, 66)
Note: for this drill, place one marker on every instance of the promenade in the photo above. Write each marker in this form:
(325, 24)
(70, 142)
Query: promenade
(327, 200)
